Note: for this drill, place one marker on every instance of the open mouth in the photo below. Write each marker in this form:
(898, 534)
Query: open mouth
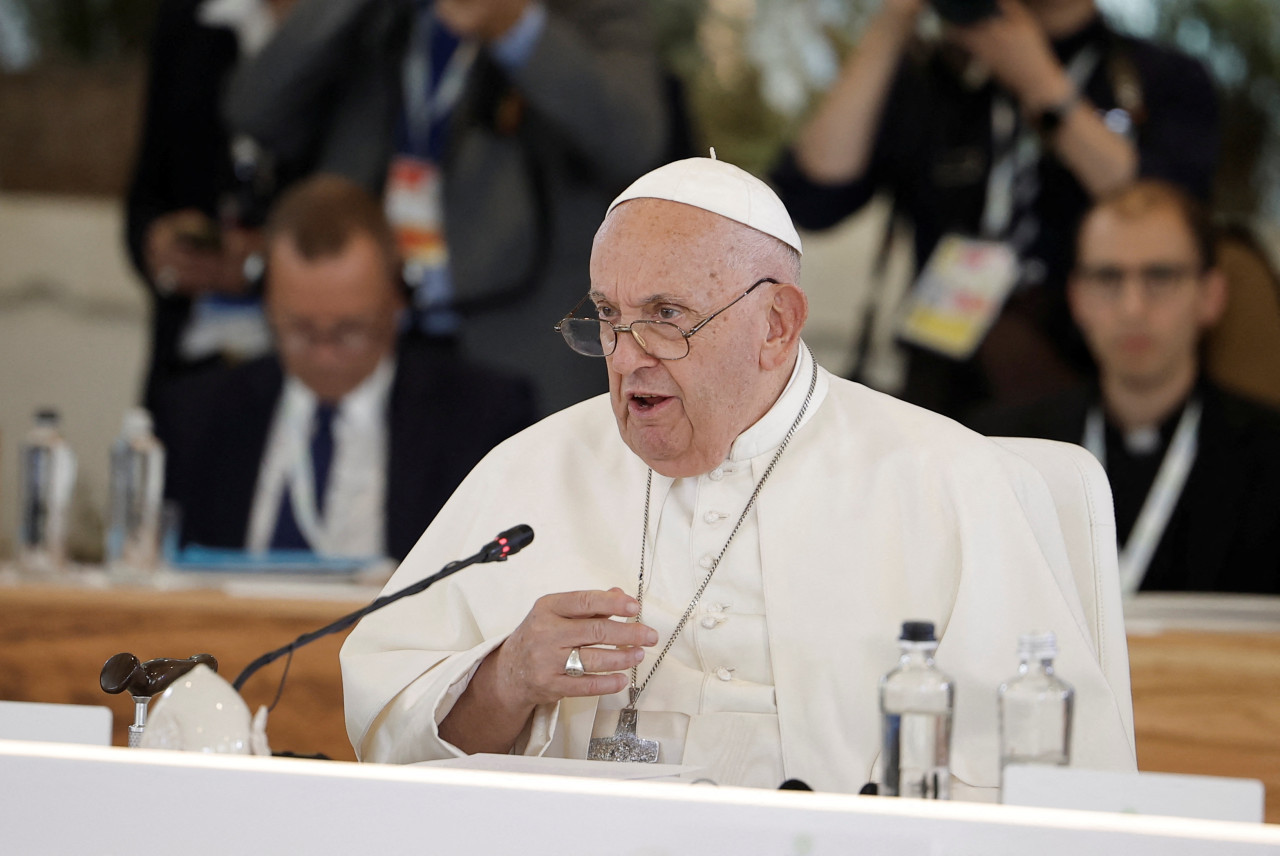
(645, 402)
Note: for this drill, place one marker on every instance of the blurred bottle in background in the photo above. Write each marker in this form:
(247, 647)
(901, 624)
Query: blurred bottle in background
(48, 477)
(134, 517)
(1035, 707)
(916, 705)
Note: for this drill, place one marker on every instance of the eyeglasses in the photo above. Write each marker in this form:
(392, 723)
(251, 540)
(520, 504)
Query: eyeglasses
(349, 336)
(1157, 281)
(596, 337)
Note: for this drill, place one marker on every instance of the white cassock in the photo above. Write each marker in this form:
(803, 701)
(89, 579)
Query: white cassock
(878, 512)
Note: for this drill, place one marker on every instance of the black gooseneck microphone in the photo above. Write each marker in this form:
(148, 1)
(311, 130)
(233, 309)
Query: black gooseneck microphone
(506, 544)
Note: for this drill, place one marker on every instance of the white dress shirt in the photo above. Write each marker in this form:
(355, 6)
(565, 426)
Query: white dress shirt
(354, 522)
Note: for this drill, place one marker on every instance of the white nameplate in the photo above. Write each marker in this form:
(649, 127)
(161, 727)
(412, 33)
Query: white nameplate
(1171, 794)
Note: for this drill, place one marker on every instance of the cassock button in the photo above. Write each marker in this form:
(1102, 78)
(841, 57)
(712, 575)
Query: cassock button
(714, 616)
(706, 562)
(724, 673)
(716, 474)
(712, 517)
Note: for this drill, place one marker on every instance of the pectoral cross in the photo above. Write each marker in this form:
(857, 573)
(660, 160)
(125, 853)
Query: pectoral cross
(624, 745)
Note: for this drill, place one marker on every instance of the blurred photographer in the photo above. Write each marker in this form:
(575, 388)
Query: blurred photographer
(196, 199)
(993, 138)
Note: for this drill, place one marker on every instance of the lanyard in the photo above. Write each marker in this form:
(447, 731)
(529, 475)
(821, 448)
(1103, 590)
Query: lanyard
(426, 101)
(1015, 151)
(1163, 495)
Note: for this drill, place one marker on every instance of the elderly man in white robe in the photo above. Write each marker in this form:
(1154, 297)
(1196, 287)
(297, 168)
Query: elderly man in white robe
(727, 543)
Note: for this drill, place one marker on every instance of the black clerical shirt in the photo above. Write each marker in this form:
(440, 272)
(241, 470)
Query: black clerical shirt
(1132, 467)
(1224, 532)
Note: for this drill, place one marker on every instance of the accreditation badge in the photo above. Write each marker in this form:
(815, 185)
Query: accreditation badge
(958, 295)
(415, 208)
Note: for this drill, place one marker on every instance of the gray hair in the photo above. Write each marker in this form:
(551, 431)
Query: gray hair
(765, 255)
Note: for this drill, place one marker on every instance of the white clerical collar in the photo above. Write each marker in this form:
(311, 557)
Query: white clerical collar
(769, 430)
(1142, 441)
(364, 403)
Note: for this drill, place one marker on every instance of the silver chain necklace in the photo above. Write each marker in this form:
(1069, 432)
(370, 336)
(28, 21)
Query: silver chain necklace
(625, 745)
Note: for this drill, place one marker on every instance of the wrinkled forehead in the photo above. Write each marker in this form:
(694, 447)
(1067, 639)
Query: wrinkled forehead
(656, 242)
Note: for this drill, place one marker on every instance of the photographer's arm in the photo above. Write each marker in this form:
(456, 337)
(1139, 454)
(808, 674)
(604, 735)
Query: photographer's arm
(1014, 45)
(835, 146)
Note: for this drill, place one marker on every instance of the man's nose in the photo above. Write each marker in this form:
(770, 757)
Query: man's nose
(327, 347)
(628, 355)
(328, 352)
(1133, 296)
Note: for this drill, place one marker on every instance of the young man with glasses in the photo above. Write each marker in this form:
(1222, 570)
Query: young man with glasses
(351, 438)
(1194, 469)
(761, 528)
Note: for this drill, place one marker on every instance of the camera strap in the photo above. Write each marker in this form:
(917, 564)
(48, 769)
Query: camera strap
(1013, 183)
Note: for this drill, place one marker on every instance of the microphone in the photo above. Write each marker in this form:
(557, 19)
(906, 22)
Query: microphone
(507, 544)
(146, 680)
(794, 785)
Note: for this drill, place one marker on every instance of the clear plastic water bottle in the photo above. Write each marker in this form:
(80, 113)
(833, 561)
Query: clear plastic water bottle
(137, 497)
(1035, 707)
(48, 478)
(916, 704)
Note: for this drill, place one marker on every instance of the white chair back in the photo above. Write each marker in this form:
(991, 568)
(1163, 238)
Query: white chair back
(1081, 495)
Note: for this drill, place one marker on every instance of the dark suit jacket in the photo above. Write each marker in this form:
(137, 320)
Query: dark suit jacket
(443, 417)
(1224, 534)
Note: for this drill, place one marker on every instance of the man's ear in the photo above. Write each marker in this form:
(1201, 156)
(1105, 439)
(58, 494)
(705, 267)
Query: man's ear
(1213, 297)
(788, 310)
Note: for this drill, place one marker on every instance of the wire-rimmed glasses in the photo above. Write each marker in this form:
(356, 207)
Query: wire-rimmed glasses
(1156, 281)
(348, 336)
(596, 337)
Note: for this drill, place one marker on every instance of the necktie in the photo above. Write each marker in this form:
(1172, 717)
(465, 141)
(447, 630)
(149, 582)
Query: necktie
(288, 535)
(322, 452)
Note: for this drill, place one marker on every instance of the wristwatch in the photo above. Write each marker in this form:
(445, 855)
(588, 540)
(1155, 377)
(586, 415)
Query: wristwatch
(1050, 119)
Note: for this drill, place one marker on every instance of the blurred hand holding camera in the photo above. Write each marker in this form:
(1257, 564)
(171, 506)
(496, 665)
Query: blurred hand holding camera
(1013, 46)
(188, 254)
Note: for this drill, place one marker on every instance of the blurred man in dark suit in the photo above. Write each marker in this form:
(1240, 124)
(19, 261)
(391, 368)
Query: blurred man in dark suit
(1195, 469)
(350, 440)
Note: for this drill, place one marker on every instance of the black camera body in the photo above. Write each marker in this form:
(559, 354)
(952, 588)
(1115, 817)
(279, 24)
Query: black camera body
(964, 12)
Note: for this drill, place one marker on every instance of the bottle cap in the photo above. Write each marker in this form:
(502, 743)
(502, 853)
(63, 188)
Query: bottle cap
(917, 631)
(1038, 644)
(137, 421)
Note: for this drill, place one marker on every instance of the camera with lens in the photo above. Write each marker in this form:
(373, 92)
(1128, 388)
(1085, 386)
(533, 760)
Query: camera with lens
(964, 12)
